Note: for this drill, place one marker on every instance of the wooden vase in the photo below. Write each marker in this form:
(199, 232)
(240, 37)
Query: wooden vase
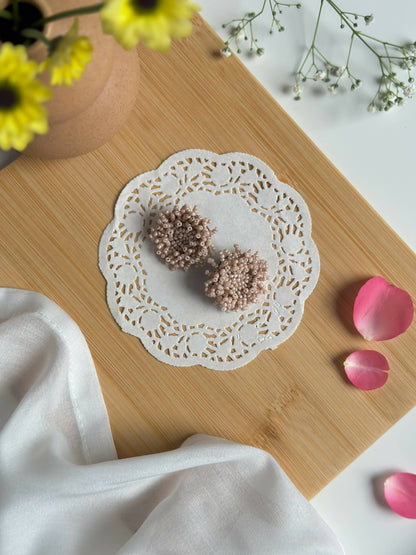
(85, 115)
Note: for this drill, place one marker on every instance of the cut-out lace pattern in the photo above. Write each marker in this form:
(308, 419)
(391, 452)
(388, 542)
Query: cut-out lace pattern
(167, 310)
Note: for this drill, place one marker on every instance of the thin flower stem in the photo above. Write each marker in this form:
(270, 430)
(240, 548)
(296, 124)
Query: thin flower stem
(378, 40)
(16, 16)
(322, 56)
(354, 14)
(247, 18)
(246, 23)
(69, 13)
(357, 33)
(312, 47)
(35, 34)
(349, 50)
(317, 22)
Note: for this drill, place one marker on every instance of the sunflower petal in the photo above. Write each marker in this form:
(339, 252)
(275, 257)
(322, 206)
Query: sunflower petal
(26, 115)
(69, 59)
(156, 26)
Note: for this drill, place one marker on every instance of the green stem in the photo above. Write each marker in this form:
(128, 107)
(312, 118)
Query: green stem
(69, 13)
(313, 39)
(35, 34)
(349, 50)
(325, 59)
(16, 16)
(380, 41)
(357, 33)
(247, 21)
(317, 22)
(360, 35)
(355, 14)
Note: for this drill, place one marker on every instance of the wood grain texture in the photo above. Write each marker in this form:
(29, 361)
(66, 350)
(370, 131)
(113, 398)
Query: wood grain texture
(293, 401)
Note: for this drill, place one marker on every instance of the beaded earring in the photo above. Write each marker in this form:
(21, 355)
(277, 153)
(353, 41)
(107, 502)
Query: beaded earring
(182, 237)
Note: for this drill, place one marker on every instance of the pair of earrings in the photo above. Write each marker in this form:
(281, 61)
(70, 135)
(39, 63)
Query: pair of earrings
(183, 239)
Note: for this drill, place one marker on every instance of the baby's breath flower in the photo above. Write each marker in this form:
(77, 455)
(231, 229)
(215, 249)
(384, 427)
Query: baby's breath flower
(371, 108)
(226, 52)
(317, 66)
(319, 75)
(407, 63)
(244, 28)
(409, 91)
(297, 89)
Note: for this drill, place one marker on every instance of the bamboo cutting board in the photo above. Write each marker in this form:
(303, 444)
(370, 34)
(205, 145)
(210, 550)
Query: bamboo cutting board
(294, 401)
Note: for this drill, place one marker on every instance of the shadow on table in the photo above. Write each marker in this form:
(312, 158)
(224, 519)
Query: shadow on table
(7, 157)
(338, 362)
(344, 303)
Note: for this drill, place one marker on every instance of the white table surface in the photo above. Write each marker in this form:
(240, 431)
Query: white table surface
(377, 154)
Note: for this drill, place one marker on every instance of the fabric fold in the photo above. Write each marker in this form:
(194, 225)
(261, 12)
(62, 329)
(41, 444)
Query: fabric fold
(62, 489)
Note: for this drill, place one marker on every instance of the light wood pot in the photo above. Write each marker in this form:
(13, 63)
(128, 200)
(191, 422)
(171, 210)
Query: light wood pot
(84, 116)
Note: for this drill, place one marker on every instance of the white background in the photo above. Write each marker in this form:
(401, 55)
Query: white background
(377, 154)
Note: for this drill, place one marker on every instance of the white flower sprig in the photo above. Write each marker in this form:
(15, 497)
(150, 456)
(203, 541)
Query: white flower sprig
(392, 59)
(243, 29)
(396, 62)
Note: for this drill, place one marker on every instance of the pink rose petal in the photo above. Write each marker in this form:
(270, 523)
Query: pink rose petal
(367, 369)
(381, 310)
(400, 493)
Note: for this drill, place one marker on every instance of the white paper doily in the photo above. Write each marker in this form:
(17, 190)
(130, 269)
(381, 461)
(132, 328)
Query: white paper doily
(168, 310)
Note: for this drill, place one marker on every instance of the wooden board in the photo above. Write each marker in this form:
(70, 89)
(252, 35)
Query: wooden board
(293, 401)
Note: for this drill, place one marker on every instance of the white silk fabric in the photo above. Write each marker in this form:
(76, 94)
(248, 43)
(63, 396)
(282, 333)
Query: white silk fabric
(63, 490)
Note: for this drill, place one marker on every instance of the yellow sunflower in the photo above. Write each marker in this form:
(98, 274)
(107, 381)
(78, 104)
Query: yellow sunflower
(155, 22)
(21, 95)
(68, 58)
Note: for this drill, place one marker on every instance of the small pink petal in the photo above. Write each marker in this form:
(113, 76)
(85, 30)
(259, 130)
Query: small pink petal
(367, 369)
(400, 493)
(381, 310)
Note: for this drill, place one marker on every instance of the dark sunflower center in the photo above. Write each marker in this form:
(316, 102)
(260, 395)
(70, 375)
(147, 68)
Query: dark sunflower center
(145, 5)
(8, 98)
